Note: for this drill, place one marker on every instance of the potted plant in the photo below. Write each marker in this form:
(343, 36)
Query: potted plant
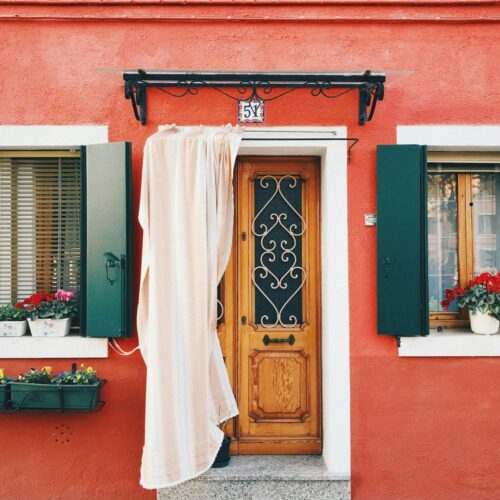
(482, 298)
(12, 321)
(74, 390)
(4, 381)
(49, 315)
(34, 389)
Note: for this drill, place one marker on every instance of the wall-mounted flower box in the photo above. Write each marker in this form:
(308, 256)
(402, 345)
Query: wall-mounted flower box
(38, 390)
(3, 396)
(55, 397)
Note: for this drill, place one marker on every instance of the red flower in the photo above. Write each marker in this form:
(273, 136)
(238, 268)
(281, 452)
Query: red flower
(483, 278)
(445, 304)
(19, 305)
(36, 300)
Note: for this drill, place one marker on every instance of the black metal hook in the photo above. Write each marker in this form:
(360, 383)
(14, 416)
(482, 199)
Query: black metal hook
(112, 261)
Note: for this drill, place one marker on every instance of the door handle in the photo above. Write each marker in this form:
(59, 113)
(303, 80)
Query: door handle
(268, 340)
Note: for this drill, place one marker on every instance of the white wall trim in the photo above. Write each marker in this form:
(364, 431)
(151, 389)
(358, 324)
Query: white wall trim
(452, 343)
(52, 136)
(334, 274)
(24, 136)
(72, 346)
(451, 137)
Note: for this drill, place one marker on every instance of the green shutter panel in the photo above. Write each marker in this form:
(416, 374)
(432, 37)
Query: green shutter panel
(106, 240)
(402, 285)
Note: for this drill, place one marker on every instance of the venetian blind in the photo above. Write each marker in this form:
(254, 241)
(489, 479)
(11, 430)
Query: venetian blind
(39, 223)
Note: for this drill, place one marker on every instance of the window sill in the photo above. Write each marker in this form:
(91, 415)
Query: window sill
(452, 342)
(72, 346)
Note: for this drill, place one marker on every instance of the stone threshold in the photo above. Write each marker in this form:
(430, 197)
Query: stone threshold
(273, 468)
(263, 477)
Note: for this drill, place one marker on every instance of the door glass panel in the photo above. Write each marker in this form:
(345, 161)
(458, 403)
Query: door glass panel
(278, 227)
(486, 206)
(443, 238)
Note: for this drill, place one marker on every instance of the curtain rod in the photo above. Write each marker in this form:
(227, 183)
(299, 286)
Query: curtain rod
(353, 140)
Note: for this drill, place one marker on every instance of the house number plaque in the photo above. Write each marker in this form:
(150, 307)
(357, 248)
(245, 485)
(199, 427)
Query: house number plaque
(251, 111)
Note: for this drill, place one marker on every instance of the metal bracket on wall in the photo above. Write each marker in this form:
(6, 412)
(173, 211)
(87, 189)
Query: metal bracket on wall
(259, 86)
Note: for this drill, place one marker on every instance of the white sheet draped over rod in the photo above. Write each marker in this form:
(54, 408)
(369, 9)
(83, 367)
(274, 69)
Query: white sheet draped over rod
(186, 213)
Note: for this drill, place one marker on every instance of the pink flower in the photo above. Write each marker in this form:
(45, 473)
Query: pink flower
(64, 295)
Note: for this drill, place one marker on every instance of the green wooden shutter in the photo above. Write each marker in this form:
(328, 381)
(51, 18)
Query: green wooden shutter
(106, 240)
(402, 285)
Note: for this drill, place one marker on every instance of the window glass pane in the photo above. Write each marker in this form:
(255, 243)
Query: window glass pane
(278, 227)
(443, 237)
(39, 225)
(486, 206)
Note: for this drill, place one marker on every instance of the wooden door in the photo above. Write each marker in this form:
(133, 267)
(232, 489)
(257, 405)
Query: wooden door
(278, 320)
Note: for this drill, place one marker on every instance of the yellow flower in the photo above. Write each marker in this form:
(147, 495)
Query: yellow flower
(78, 377)
(47, 369)
(1, 373)
(90, 369)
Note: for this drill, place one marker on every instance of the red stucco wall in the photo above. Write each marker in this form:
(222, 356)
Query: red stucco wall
(421, 428)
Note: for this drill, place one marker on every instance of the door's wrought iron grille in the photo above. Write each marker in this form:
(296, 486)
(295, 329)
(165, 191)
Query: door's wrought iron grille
(278, 227)
(220, 306)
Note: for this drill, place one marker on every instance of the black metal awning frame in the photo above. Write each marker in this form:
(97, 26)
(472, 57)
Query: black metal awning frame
(260, 86)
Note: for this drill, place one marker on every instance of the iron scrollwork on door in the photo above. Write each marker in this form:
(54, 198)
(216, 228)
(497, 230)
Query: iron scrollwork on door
(220, 306)
(278, 227)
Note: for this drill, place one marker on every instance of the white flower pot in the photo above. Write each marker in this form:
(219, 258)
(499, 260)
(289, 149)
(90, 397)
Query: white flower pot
(484, 324)
(12, 328)
(49, 327)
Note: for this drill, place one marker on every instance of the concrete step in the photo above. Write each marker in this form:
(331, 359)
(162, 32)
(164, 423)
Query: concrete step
(265, 477)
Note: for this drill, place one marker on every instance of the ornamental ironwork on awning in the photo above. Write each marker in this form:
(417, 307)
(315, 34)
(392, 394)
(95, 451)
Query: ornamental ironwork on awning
(260, 87)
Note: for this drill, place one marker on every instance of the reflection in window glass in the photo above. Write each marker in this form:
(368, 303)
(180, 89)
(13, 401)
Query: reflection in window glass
(443, 237)
(486, 206)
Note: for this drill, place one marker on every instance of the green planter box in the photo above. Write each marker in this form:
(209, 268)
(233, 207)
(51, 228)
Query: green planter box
(59, 397)
(3, 396)
(81, 397)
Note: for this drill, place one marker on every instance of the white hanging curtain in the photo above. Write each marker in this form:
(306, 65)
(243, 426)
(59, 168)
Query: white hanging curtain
(186, 213)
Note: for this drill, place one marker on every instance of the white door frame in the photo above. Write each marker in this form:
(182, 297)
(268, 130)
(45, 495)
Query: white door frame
(306, 141)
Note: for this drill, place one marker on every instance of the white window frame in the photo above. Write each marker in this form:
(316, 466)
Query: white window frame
(456, 342)
(53, 137)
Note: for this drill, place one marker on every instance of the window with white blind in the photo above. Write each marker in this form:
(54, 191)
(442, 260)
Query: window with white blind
(40, 211)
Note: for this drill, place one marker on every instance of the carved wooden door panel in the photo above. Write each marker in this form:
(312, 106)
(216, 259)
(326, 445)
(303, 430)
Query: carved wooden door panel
(278, 305)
